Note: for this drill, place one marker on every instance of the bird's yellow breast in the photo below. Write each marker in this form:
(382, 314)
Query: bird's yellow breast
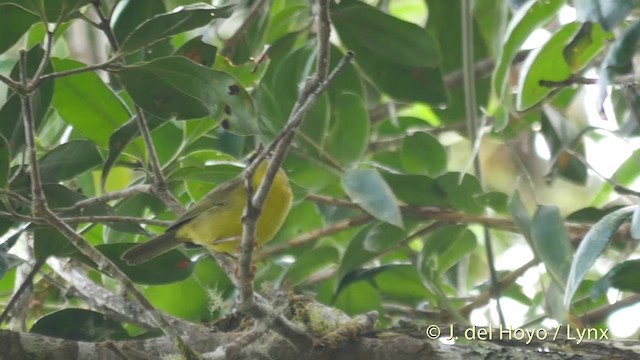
(220, 227)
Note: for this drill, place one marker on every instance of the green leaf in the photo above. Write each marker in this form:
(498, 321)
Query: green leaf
(356, 254)
(8, 262)
(623, 276)
(421, 153)
(349, 129)
(49, 242)
(561, 135)
(416, 189)
(520, 215)
(5, 162)
(69, 160)
(11, 126)
(551, 242)
(401, 282)
(408, 53)
(14, 22)
(167, 268)
(527, 19)
(592, 246)
(176, 87)
(358, 298)
(120, 138)
(182, 19)
(495, 200)
(609, 13)
(52, 10)
(85, 96)
(308, 264)
(129, 14)
(619, 60)
(363, 27)
(446, 246)
(198, 51)
(368, 189)
(79, 325)
(635, 224)
(567, 52)
(461, 191)
(382, 237)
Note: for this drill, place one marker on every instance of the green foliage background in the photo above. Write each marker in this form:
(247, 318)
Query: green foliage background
(380, 166)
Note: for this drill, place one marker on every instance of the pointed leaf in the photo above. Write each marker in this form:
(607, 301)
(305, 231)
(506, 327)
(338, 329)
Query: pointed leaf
(368, 189)
(183, 18)
(551, 242)
(69, 160)
(591, 247)
(85, 96)
(421, 153)
(176, 87)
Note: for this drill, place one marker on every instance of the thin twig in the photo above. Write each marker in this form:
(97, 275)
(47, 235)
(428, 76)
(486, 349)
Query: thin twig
(248, 302)
(313, 235)
(600, 314)
(160, 187)
(236, 347)
(88, 219)
(23, 287)
(107, 66)
(472, 131)
(115, 195)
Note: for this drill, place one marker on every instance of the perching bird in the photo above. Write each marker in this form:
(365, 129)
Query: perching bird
(216, 220)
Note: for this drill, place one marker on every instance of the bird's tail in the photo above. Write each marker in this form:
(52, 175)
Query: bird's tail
(151, 249)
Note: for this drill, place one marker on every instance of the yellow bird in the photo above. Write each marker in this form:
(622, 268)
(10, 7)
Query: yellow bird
(216, 220)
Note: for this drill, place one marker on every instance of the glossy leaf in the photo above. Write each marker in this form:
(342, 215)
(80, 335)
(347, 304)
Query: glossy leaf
(416, 189)
(5, 162)
(309, 264)
(52, 10)
(461, 191)
(446, 246)
(609, 13)
(119, 140)
(561, 135)
(69, 160)
(551, 242)
(520, 215)
(623, 276)
(79, 325)
(167, 268)
(349, 129)
(14, 23)
(129, 14)
(495, 200)
(526, 19)
(569, 50)
(409, 54)
(383, 36)
(635, 224)
(176, 87)
(11, 126)
(619, 60)
(368, 189)
(591, 247)
(48, 242)
(182, 19)
(421, 153)
(198, 51)
(85, 96)
(382, 237)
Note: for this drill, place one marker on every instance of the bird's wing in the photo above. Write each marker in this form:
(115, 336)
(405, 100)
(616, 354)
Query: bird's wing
(216, 198)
